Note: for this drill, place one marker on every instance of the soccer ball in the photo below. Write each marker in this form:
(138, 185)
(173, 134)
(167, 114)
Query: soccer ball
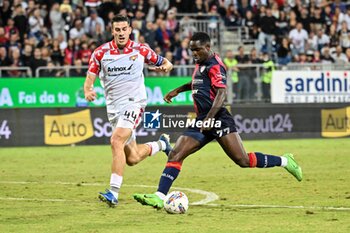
(176, 202)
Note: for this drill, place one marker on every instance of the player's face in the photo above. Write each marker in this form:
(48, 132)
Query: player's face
(200, 52)
(121, 32)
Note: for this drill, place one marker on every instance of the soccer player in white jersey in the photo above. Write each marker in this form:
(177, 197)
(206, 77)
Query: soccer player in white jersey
(119, 65)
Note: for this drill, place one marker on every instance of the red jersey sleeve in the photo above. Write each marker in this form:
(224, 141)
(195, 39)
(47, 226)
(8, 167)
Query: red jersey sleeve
(151, 57)
(95, 62)
(217, 75)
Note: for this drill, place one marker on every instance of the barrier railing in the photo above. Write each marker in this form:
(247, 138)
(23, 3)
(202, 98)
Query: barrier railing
(316, 66)
(65, 71)
(247, 89)
(187, 70)
(15, 72)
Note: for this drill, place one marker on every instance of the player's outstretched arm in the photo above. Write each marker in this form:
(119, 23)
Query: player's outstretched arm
(90, 94)
(175, 92)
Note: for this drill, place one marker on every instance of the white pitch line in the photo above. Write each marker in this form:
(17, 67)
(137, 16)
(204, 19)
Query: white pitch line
(284, 207)
(209, 197)
(34, 199)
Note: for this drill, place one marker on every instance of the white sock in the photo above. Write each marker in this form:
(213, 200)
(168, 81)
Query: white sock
(115, 183)
(160, 195)
(163, 145)
(284, 161)
(156, 146)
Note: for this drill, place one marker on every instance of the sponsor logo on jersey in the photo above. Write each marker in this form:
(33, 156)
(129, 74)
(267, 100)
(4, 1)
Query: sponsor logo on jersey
(197, 81)
(118, 69)
(133, 58)
(114, 69)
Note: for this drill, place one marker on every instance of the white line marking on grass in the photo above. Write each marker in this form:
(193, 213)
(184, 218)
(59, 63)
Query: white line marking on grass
(283, 207)
(34, 199)
(209, 197)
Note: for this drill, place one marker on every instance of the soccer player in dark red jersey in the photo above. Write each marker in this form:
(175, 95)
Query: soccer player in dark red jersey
(213, 121)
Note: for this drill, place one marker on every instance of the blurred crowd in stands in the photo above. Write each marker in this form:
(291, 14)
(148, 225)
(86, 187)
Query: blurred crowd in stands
(60, 33)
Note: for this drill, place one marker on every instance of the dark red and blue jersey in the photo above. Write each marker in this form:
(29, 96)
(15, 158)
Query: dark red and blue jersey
(206, 78)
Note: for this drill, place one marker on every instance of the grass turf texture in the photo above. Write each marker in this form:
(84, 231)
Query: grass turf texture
(75, 207)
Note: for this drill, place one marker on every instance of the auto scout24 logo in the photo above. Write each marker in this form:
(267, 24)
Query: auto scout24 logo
(335, 122)
(68, 129)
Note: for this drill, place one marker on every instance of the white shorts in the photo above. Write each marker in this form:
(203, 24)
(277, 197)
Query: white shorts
(127, 116)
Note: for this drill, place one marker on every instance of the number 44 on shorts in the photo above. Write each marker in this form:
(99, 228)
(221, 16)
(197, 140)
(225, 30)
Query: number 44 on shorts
(130, 115)
(5, 131)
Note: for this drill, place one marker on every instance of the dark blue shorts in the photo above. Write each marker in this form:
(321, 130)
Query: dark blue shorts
(227, 126)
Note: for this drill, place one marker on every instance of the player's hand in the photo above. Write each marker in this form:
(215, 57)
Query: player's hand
(90, 95)
(163, 68)
(169, 96)
(207, 124)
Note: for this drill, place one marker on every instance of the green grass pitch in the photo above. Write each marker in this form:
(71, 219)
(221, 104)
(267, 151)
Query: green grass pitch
(54, 189)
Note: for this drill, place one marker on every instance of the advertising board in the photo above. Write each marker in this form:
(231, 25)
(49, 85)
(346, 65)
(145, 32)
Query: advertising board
(310, 87)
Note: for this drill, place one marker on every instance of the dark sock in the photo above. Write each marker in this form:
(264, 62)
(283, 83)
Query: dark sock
(257, 159)
(170, 173)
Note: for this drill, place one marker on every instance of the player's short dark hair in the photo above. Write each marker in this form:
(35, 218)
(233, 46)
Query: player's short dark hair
(120, 18)
(202, 37)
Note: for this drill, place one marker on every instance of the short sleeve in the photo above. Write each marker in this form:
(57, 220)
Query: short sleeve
(151, 57)
(217, 75)
(94, 63)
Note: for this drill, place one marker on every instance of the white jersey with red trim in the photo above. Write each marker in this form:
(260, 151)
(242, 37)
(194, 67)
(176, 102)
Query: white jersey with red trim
(121, 71)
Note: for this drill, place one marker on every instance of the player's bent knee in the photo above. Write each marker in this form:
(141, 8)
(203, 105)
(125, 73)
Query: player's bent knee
(117, 141)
